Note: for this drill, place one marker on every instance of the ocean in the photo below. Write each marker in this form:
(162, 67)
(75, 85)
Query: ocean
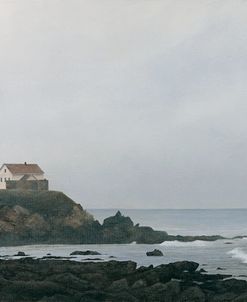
(223, 256)
(225, 222)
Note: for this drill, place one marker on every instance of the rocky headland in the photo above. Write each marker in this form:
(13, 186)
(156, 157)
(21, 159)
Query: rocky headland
(51, 217)
(29, 217)
(50, 280)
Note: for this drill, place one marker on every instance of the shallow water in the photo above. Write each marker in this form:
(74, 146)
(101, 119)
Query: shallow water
(232, 258)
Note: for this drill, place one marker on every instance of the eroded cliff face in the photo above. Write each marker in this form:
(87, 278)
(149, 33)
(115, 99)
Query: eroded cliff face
(77, 217)
(17, 219)
(39, 217)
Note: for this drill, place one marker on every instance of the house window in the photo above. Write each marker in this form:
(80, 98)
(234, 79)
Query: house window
(5, 179)
(1, 179)
(9, 178)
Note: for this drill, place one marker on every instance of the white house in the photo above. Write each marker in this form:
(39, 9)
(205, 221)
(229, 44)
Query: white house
(20, 172)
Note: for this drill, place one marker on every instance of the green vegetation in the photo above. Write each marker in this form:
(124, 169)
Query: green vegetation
(45, 203)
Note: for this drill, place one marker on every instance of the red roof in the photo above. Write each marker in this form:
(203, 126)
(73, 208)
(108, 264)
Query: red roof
(24, 168)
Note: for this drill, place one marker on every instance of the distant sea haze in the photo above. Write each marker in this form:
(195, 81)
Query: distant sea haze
(225, 222)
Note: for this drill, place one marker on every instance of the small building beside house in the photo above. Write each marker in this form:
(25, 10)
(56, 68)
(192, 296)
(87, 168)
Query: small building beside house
(22, 177)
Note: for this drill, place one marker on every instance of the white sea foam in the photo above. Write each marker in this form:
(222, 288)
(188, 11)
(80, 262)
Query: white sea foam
(238, 253)
(196, 243)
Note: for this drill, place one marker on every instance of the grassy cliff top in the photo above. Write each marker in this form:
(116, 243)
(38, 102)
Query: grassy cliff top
(46, 203)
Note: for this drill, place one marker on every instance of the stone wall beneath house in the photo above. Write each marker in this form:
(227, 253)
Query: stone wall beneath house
(34, 185)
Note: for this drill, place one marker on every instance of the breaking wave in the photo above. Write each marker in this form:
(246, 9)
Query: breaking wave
(238, 253)
(196, 243)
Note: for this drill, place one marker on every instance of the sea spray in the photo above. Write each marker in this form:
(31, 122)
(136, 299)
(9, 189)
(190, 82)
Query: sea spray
(239, 253)
(196, 243)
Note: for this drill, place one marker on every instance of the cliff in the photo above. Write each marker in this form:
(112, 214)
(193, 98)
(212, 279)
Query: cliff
(39, 217)
(29, 217)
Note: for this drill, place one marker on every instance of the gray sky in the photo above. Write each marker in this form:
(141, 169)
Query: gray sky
(128, 103)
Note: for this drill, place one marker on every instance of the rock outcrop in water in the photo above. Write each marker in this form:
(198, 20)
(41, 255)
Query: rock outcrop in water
(155, 252)
(30, 217)
(68, 281)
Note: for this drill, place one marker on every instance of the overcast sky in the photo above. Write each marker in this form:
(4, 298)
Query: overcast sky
(128, 103)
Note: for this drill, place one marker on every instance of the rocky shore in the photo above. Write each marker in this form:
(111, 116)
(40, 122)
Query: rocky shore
(29, 280)
(50, 217)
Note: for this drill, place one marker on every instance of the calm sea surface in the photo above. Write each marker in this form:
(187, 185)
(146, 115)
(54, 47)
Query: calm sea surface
(229, 254)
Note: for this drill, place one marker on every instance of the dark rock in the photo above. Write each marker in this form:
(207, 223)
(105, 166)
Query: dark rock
(157, 292)
(26, 260)
(181, 266)
(178, 270)
(151, 277)
(93, 296)
(202, 270)
(173, 288)
(226, 297)
(117, 220)
(121, 229)
(97, 280)
(139, 283)
(147, 235)
(119, 285)
(92, 259)
(241, 298)
(73, 281)
(198, 277)
(58, 298)
(220, 269)
(88, 252)
(31, 288)
(61, 280)
(117, 268)
(21, 254)
(193, 294)
(194, 238)
(122, 296)
(234, 285)
(155, 253)
(56, 257)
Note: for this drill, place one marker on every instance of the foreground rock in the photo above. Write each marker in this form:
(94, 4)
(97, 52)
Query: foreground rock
(155, 253)
(49, 217)
(67, 281)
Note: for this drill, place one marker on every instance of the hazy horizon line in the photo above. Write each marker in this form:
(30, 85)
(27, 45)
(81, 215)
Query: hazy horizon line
(184, 209)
